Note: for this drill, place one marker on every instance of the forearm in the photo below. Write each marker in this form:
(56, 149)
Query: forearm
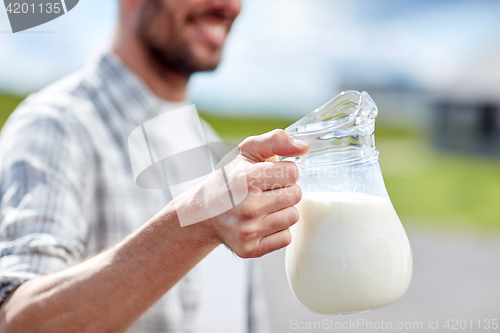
(110, 291)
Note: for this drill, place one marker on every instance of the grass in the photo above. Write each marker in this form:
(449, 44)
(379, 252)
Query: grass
(7, 104)
(235, 129)
(441, 188)
(426, 186)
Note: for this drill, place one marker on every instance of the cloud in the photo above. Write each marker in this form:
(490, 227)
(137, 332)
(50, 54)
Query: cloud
(289, 56)
(30, 60)
(284, 56)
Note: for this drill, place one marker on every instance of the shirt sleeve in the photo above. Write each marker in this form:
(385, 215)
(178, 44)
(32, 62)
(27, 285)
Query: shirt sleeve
(44, 187)
(258, 319)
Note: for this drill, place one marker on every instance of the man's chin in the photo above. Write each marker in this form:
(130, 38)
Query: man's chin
(184, 61)
(207, 62)
(208, 68)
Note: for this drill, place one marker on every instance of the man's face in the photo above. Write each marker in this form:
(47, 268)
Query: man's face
(186, 36)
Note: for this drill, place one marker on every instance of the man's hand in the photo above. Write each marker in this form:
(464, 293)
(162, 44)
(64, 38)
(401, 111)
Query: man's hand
(129, 277)
(259, 224)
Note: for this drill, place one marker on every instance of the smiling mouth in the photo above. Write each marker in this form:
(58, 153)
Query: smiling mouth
(213, 26)
(214, 30)
(215, 33)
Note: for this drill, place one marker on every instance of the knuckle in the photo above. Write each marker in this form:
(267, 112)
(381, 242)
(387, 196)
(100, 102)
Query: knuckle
(249, 212)
(293, 173)
(246, 251)
(247, 141)
(254, 178)
(287, 238)
(293, 195)
(297, 196)
(279, 132)
(267, 169)
(256, 254)
(247, 234)
(294, 215)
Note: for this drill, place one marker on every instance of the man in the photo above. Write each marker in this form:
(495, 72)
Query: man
(83, 249)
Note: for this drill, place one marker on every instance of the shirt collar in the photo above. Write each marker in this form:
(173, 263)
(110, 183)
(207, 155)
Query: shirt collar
(132, 96)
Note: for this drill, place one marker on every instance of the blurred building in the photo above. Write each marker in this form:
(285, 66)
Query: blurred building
(467, 113)
(400, 102)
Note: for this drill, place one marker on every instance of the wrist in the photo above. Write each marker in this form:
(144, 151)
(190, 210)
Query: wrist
(201, 234)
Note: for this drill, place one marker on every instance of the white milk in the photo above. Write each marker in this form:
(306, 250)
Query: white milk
(349, 253)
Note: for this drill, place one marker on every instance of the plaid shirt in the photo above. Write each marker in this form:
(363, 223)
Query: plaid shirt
(67, 192)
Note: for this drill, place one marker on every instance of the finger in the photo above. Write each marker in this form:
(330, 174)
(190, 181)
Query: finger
(277, 142)
(280, 220)
(273, 175)
(274, 242)
(275, 200)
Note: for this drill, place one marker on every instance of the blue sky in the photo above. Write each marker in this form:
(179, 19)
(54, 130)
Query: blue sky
(284, 56)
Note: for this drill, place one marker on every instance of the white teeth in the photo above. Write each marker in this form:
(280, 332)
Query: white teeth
(216, 30)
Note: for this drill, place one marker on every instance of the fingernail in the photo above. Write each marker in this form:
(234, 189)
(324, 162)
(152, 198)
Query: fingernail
(299, 143)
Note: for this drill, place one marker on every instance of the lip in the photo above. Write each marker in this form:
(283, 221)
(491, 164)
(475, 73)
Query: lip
(214, 30)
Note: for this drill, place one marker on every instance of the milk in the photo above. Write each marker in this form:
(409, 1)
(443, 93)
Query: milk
(349, 253)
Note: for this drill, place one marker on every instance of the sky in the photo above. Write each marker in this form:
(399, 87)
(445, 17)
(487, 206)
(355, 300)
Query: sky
(283, 57)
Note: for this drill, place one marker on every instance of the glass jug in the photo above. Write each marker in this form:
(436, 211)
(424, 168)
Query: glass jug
(349, 252)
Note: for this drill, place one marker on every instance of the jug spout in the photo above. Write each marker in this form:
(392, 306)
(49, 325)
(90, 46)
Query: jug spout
(348, 109)
(367, 110)
(345, 125)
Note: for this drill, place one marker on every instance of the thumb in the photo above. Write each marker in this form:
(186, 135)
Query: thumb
(277, 142)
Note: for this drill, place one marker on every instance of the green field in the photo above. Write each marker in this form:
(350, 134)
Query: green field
(427, 187)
